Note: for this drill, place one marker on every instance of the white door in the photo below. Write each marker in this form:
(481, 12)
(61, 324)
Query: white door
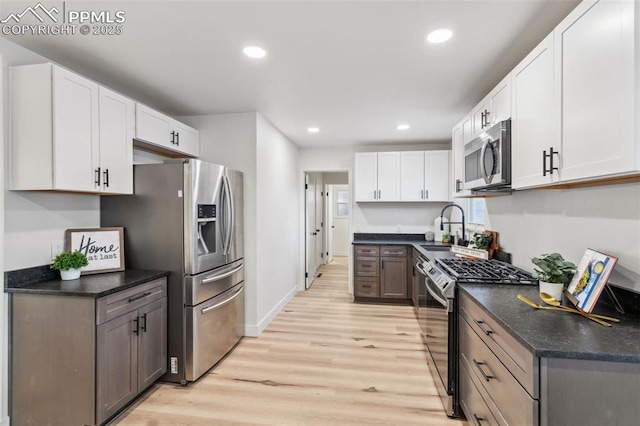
(319, 220)
(340, 210)
(457, 151)
(310, 229)
(187, 139)
(328, 229)
(76, 154)
(500, 98)
(154, 127)
(117, 127)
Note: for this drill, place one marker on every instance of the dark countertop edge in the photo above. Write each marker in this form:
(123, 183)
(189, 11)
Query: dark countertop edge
(31, 289)
(549, 353)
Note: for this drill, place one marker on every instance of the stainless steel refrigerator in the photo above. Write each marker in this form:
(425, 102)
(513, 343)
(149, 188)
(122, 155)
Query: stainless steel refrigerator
(186, 216)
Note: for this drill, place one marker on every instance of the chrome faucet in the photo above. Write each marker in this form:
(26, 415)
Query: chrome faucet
(462, 222)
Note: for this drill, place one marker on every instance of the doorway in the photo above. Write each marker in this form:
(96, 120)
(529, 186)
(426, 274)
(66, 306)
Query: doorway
(320, 203)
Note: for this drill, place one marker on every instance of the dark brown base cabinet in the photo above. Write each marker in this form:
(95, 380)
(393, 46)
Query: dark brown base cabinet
(380, 272)
(80, 360)
(503, 383)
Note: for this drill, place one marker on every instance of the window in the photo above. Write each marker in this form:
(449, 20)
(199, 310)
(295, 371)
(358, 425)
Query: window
(342, 203)
(476, 210)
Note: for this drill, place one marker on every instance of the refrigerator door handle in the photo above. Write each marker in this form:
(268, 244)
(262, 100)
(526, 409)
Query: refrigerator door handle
(231, 215)
(224, 302)
(221, 276)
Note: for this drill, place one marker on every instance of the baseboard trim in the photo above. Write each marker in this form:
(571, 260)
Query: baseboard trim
(252, 330)
(5, 421)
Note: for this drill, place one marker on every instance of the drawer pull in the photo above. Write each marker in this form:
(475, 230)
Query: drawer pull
(365, 251)
(484, 330)
(478, 420)
(366, 265)
(479, 367)
(140, 296)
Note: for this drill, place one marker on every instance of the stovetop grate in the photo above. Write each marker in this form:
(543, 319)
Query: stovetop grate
(489, 271)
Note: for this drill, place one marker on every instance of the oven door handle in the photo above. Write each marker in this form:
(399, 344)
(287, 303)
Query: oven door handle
(442, 300)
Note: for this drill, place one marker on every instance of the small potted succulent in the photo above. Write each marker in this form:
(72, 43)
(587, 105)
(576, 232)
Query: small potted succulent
(553, 272)
(69, 264)
(482, 241)
(446, 238)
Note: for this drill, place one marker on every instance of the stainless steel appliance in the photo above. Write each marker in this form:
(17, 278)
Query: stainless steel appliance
(438, 312)
(186, 217)
(487, 159)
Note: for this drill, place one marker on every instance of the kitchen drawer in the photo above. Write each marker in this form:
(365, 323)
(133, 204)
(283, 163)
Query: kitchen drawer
(520, 361)
(125, 301)
(393, 251)
(367, 266)
(473, 404)
(367, 287)
(512, 400)
(367, 250)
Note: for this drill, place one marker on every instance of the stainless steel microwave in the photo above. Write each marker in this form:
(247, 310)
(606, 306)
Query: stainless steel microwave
(487, 159)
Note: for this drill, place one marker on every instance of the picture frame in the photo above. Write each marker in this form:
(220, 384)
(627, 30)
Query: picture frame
(591, 277)
(104, 248)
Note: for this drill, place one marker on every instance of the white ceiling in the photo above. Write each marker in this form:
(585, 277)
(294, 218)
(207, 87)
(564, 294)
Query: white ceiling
(355, 69)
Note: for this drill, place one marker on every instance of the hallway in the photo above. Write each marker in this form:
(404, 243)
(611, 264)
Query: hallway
(323, 361)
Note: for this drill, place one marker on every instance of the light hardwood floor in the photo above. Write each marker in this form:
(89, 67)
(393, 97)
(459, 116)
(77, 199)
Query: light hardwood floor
(323, 361)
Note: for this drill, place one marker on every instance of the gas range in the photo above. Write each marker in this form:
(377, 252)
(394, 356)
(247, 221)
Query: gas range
(485, 271)
(444, 272)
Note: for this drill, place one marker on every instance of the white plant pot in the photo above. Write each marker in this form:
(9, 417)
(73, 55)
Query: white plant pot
(552, 289)
(71, 274)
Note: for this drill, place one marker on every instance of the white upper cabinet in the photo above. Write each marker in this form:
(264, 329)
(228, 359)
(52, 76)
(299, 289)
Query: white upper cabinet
(377, 176)
(76, 153)
(58, 141)
(535, 131)
(366, 179)
(117, 127)
(495, 107)
(388, 176)
(412, 176)
(595, 71)
(460, 135)
(424, 176)
(436, 176)
(156, 131)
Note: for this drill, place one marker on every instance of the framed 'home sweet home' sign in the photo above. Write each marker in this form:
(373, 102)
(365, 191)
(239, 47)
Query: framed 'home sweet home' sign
(104, 248)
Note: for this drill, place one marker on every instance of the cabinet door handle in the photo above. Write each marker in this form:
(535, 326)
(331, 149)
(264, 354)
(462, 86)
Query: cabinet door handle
(178, 138)
(486, 117)
(478, 420)
(140, 296)
(379, 194)
(550, 155)
(97, 180)
(173, 138)
(422, 194)
(479, 367)
(375, 194)
(143, 326)
(136, 328)
(458, 184)
(484, 330)
(426, 194)
(106, 177)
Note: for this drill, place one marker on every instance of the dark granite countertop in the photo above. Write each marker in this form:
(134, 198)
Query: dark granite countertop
(556, 334)
(97, 285)
(416, 240)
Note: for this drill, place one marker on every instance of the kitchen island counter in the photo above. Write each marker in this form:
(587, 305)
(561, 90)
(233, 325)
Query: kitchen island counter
(553, 334)
(95, 286)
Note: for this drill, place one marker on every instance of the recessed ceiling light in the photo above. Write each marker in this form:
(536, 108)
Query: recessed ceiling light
(255, 52)
(313, 130)
(403, 127)
(438, 36)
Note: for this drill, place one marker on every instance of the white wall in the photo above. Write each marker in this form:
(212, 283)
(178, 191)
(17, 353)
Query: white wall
(230, 139)
(33, 220)
(404, 218)
(249, 143)
(278, 225)
(605, 218)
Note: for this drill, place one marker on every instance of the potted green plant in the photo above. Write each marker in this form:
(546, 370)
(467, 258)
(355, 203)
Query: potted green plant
(553, 272)
(482, 241)
(69, 264)
(446, 238)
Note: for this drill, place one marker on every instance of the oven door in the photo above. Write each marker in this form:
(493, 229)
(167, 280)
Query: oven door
(440, 341)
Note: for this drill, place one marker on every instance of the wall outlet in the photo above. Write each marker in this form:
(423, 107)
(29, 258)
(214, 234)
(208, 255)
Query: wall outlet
(57, 247)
